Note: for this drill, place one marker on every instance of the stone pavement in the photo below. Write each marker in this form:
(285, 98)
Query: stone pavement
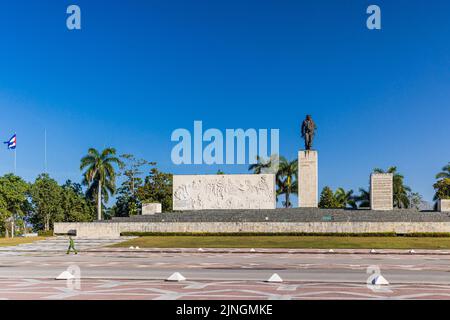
(98, 289)
(230, 274)
(60, 244)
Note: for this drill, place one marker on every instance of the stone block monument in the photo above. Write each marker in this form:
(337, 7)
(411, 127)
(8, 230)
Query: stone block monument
(151, 208)
(381, 191)
(308, 176)
(444, 205)
(228, 191)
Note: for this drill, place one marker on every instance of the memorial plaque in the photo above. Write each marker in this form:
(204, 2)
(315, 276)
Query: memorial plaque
(381, 191)
(228, 191)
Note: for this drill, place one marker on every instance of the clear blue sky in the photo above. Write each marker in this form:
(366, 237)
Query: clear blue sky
(140, 69)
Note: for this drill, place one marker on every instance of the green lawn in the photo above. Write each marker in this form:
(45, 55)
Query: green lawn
(5, 242)
(319, 242)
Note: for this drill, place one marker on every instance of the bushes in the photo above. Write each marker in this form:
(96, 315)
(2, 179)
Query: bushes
(291, 234)
(43, 233)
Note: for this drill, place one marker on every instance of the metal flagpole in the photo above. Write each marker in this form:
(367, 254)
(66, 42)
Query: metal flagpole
(15, 161)
(45, 150)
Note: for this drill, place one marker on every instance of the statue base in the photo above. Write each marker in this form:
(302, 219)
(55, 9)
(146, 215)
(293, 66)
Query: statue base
(308, 179)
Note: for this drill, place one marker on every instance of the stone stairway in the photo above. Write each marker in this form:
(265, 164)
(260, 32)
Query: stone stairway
(61, 243)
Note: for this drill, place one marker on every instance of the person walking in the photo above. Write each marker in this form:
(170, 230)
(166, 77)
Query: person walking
(71, 246)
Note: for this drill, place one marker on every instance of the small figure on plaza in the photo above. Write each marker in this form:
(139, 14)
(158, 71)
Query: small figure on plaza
(71, 246)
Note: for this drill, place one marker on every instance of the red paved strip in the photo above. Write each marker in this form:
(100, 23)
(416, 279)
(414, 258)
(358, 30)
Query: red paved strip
(222, 290)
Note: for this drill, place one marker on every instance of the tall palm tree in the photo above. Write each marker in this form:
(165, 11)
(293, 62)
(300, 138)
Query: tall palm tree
(401, 199)
(445, 173)
(363, 199)
(286, 179)
(345, 198)
(100, 175)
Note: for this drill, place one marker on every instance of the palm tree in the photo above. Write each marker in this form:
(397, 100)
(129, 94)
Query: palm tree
(345, 198)
(442, 186)
(100, 175)
(263, 165)
(401, 199)
(445, 174)
(286, 179)
(363, 199)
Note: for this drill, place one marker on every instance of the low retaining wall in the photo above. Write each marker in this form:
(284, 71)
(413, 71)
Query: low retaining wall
(114, 229)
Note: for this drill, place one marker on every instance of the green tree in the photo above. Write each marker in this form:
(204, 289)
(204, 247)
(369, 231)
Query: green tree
(445, 173)
(327, 199)
(100, 175)
(13, 201)
(127, 203)
(286, 180)
(46, 197)
(75, 206)
(415, 200)
(157, 188)
(363, 199)
(345, 199)
(401, 199)
(442, 188)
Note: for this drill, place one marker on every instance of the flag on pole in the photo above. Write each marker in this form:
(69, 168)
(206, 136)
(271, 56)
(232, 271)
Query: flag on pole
(11, 143)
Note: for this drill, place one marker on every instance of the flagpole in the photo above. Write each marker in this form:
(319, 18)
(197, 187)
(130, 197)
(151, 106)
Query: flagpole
(15, 161)
(45, 151)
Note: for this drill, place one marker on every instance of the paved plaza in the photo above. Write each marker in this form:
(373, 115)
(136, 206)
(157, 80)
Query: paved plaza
(29, 272)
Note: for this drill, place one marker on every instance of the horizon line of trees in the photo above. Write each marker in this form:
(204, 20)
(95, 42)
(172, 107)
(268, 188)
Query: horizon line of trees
(39, 204)
(36, 206)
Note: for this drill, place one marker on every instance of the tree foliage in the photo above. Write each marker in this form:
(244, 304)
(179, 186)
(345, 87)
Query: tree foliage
(345, 199)
(100, 175)
(157, 187)
(46, 196)
(127, 202)
(76, 207)
(327, 199)
(13, 201)
(442, 188)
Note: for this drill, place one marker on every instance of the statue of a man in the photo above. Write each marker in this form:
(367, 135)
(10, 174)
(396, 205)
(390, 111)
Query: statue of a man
(308, 129)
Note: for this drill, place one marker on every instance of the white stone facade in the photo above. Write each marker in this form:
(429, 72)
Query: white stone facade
(235, 191)
(151, 208)
(382, 191)
(113, 229)
(308, 176)
(444, 205)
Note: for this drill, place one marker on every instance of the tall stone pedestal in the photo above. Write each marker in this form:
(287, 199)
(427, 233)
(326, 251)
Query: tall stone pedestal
(382, 191)
(308, 187)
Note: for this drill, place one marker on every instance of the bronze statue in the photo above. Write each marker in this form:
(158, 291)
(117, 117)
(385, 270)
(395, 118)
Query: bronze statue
(308, 130)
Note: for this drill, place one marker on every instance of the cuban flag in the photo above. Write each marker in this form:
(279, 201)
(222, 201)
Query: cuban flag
(11, 143)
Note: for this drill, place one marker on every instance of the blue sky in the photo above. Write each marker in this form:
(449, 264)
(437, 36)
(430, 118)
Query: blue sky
(140, 69)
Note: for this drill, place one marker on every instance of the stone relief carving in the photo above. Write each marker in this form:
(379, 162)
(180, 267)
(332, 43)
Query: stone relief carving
(197, 192)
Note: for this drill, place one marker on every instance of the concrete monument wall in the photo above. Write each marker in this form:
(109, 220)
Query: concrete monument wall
(239, 191)
(381, 191)
(114, 229)
(308, 187)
